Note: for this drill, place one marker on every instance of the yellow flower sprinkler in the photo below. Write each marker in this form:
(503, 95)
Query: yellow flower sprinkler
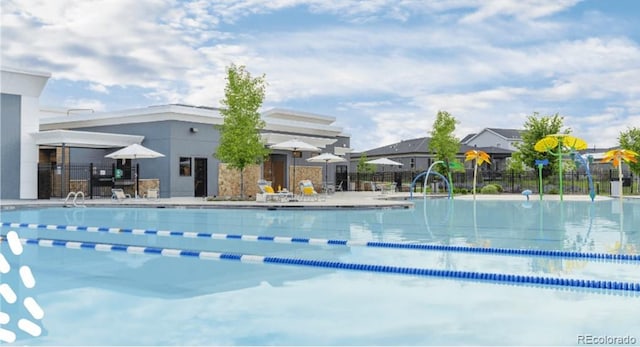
(616, 156)
(480, 157)
(561, 142)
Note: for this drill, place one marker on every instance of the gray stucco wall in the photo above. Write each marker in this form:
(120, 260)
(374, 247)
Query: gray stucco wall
(88, 155)
(10, 122)
(174, 139)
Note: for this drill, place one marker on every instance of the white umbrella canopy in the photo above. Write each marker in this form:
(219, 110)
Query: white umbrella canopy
(326, 158)
(384, 161)
(134, 151)
(295, 145)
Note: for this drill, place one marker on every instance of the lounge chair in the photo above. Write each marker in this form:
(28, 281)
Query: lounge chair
(152, 194)
(307, 192)
(267, 193)
(339, 187)
(118, 194)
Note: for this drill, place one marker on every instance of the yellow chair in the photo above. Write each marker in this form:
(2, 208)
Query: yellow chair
(266, 192)
(307, 192)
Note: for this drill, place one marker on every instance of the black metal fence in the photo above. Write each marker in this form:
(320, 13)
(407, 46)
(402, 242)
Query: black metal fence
(575, 182)
(94, 180)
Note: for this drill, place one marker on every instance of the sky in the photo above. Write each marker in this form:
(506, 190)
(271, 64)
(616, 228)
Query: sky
(382, 68)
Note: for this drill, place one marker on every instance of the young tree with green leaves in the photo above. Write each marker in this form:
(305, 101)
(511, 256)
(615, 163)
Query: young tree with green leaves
(240, 142)
(535, 129)
(443, 143)
(630, 140)
(363, 166)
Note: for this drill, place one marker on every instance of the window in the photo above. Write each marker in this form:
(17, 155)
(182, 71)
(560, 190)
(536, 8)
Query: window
(185, 166)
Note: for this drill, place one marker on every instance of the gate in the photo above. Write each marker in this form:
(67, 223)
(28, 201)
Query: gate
(94, 181)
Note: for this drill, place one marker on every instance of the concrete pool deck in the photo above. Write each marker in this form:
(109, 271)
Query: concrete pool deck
(336, 200)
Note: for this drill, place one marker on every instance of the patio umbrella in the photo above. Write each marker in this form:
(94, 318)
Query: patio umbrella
(326, 158)
(134, 151)
(295, 145)
(383, 161)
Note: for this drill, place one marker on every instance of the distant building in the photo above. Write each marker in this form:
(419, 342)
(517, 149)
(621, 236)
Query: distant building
(55, 139)
(415, 155)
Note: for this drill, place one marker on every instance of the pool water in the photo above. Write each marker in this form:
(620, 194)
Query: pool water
(91, 297)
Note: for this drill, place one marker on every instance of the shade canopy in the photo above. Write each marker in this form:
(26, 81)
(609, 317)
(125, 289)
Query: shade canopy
(384, 161)
(134, 151)
(295, 145)
(326, 158)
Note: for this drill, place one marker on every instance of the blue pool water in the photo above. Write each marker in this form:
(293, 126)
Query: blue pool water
(94, 297)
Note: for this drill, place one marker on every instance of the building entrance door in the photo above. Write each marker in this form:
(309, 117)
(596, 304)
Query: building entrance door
(200, 177)
(275, 170)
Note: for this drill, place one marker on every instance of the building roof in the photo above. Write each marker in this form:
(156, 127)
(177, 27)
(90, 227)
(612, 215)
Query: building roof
(467, 138)
(420, 146)
(510, 134)
(277, 120)
(86, 139)
(417, 145)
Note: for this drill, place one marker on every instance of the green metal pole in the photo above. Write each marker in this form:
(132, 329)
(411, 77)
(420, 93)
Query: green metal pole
(540, 180)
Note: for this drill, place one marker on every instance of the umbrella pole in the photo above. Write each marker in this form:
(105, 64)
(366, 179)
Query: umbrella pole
(326, 183)
(137, 178)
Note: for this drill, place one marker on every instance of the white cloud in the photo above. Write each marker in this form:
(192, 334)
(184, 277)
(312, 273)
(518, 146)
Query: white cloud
(98, 88)
(488, 62)
(84, 104)
(521, 9)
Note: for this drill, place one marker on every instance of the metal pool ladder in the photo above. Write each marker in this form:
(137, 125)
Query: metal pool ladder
(75, 196)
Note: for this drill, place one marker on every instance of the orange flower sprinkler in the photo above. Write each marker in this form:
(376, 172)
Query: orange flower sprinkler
(616, 156)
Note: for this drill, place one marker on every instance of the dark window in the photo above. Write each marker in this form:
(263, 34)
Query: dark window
(185, 166)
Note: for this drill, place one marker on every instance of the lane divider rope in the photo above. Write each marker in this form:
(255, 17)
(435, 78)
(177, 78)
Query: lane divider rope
(336, 242)
(411, 271)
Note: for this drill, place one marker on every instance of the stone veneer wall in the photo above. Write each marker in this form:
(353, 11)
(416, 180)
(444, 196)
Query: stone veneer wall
(144, 184)
(229, 180)
(313, 173)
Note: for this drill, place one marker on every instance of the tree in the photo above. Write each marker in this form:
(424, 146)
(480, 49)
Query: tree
(363, 166)
(240, 141)
(443, 143)
(630, 140)
(535, 129)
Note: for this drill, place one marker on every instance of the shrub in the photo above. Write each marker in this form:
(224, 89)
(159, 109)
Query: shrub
(489, 189)
(460, 191)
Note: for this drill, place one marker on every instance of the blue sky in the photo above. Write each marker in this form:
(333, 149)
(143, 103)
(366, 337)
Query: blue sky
(383, 68)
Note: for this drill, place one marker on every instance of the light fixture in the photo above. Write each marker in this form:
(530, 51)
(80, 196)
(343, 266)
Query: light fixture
(193, 130)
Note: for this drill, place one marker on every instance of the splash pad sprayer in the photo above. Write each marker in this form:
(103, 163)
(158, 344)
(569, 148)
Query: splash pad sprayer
(426, 174)
(555, 145)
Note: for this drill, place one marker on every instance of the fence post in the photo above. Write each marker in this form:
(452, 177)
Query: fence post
(90, 181)
(513, 178)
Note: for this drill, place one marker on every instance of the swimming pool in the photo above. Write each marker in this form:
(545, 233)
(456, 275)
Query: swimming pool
(113, 297)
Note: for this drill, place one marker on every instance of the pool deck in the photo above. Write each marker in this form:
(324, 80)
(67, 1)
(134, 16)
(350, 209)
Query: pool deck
(338, 200)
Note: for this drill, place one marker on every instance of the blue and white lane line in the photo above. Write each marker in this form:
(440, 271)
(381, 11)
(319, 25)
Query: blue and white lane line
(335, 242)
(399, 270)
